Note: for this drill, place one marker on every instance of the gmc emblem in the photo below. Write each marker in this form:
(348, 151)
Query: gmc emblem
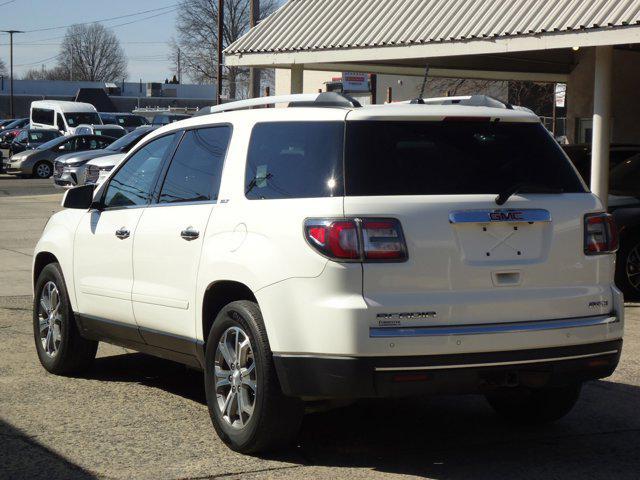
(506, 216)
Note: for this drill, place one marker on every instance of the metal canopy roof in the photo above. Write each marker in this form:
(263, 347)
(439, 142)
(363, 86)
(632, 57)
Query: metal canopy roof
(376, 35)
(329, 24)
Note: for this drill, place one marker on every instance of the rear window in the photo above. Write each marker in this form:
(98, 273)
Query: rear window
(42, 115)
(295, 160)
(448, 158)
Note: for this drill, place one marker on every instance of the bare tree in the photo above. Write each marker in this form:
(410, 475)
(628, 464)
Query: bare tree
(3, 68)
(92, 53)
(197, 40)
(54, 73)
(451, 87)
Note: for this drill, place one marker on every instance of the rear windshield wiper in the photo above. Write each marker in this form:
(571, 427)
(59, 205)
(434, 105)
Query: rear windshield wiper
(503, 196)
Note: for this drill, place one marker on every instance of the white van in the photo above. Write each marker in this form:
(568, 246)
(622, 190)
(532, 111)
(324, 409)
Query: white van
(63, 116)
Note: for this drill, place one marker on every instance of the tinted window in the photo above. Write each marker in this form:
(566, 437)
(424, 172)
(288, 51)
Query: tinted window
(124, 144)
(110, 132)
(21, 137)
(132, 184)
(77, 118)
(625, 177)
(108, 119)
(42, 115)
(295, 160)
(131, 121)
(438, 158)
(42, 135)
(60, 122)
(196, 168)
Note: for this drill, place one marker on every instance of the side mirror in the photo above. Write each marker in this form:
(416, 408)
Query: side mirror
(79, 197)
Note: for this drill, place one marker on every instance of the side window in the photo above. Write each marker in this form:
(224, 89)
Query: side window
(68, 146)
(44, 116)
(295, 160)
(196, 168)
(132, 184)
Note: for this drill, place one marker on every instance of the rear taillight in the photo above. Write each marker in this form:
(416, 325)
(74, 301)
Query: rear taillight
(600, 234)
(357, 239)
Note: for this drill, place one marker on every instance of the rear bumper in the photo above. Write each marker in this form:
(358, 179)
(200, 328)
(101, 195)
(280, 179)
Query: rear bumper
(361, 377)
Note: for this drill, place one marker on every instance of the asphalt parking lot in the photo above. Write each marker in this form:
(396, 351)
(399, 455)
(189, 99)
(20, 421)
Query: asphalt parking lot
(135, 416)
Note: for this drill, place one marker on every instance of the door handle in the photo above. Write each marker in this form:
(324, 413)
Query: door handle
(122, 233)
(189, 233)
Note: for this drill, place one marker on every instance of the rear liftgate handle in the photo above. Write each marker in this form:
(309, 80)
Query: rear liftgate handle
(189, 233)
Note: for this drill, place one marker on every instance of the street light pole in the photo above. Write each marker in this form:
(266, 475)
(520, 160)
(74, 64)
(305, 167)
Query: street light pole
(220, 37)
(11, 32)
(254, 73)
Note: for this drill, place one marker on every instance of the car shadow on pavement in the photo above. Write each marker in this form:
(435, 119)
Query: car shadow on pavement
(24, 457)
(439, 437)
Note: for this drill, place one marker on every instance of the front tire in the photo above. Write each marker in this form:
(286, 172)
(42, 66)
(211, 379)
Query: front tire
(246, 404)
(61, 349)
(42, 170)
(534, 406)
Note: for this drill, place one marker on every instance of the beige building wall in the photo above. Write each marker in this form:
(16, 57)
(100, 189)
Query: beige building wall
(625, 95)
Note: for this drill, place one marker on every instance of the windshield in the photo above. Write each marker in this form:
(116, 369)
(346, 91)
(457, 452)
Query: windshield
(42, 135)
(16, 123)
(52, 143)
(625, 178)
(77, 118)
(126, 143)
(455, 157)
(131, 120)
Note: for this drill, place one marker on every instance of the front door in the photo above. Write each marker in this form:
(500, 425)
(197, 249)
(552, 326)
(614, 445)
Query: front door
(170, 237)
(104, 242)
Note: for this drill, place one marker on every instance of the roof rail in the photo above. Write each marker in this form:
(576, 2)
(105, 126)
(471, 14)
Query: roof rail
(468, 100)
(324, 99)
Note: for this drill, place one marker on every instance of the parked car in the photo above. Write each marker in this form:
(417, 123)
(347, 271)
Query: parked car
(4, 123)
(17, 124)
(69, 169)
(114, 131)
(29, 139)
(167, 118)
(128, 121)
(62, 115)
(39, 162)
(339, 252)
(624, 205)
(98, 169)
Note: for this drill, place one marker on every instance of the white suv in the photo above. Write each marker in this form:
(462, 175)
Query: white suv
(334, 251)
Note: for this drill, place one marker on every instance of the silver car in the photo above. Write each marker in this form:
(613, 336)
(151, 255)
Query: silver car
(70, 169)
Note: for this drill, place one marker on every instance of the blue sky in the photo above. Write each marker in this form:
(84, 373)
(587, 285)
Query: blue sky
(144, 40)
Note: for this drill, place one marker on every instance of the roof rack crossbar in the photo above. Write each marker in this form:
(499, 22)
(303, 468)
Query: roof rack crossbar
(324, 99)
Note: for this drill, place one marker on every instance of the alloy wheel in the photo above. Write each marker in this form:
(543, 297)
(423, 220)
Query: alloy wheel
(43, 170)
(632, 267)
(235, 377)
(50, 319)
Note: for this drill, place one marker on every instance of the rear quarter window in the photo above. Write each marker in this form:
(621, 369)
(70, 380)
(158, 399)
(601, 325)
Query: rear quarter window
(295, 160)
(448, 158)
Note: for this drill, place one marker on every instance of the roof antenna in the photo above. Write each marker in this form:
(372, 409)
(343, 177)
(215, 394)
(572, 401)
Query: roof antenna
(420, 98)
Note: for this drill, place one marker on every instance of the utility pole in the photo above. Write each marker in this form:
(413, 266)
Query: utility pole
(254, 73)
(179, 68)
(220, 41)
(11, 32)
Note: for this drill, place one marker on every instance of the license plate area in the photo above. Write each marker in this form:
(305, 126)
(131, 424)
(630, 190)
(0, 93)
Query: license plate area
(502, 237)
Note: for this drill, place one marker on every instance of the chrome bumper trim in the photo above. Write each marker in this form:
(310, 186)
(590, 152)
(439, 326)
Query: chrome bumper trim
(496, 364)
(490, 328)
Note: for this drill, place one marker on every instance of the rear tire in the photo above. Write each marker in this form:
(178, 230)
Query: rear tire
(42, 170)
(61, 349)
(246, 404)
(534, 406)
(628, 267)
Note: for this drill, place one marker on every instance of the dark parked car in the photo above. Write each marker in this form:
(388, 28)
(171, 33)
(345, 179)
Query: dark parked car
(167, 118)
(39, 162)
(29, 139)
(18, 123)
(128, 121)
(4, 123)
(624, 205)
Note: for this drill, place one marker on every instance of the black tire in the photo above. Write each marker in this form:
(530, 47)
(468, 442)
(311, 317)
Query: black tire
(42, 169)
(628, 262)
(276, 419)
(73, 354)
(534, 406)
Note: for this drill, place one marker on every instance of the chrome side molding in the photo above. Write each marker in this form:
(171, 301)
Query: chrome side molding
(531, 215)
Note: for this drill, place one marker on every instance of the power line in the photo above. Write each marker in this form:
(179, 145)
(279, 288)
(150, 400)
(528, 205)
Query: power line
(142, 12)
(39, 61)
(6, 3)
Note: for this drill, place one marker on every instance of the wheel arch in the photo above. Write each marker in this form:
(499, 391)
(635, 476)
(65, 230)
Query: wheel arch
(41, 260)
(216, 296)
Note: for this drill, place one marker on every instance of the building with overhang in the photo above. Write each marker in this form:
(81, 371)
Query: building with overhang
(591, 45)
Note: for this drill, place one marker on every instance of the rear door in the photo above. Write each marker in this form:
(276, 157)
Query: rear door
(471, 260)
(169, 239)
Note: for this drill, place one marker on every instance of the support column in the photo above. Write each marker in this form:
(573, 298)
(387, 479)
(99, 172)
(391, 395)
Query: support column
(297, 83)
(601, 123)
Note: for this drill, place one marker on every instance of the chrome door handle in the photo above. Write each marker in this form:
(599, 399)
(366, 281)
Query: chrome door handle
(189, 233)
(122, 233)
